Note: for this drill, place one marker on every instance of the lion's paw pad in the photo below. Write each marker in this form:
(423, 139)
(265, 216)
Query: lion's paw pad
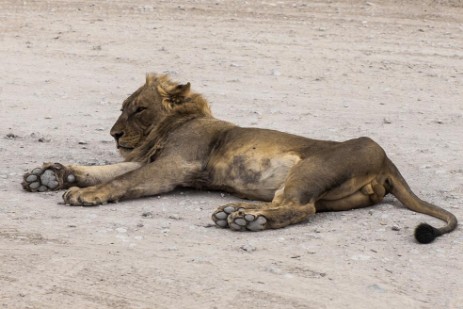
(221, 214)
(241, 222)
(43, 179)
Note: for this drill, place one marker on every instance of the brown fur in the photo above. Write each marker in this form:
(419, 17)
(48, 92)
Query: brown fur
(169, 139)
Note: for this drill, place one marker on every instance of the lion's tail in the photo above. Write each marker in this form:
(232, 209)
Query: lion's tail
(424, 233)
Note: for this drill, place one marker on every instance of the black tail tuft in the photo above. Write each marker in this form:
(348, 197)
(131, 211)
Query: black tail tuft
(425, 233)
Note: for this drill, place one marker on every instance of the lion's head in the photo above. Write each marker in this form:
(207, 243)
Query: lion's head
(149, 106)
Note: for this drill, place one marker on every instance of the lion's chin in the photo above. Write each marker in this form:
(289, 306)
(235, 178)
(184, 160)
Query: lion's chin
(124, 152)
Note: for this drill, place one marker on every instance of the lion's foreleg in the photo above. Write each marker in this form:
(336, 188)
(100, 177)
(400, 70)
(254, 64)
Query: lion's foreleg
(56, 176)
(157, 177)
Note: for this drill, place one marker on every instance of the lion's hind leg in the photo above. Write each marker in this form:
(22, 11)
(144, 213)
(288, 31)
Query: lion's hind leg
(270, 216)
(257, 217)
(370, 194)
(287, 209)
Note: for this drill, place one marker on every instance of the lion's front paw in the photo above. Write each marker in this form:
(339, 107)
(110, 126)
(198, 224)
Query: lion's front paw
(90, 196)
(49, 177)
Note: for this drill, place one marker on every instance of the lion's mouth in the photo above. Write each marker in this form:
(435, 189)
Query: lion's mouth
(124, 147)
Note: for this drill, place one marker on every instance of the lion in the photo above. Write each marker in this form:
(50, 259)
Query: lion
(169, 138)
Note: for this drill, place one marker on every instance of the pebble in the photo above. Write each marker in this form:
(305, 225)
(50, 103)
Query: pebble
(395, 228)
(377, 288)
(248, 248)
(147, 214)
(11, 136)
(360, 257)
(121, 230)
(174, 217)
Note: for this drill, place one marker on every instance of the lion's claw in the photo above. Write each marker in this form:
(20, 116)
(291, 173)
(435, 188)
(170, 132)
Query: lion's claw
(90, 196)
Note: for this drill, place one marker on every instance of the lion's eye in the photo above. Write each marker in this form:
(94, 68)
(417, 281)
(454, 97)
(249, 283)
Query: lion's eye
(139, 109)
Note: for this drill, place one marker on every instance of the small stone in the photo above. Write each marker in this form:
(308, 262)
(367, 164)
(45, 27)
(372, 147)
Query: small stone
(43, 140)
(121, 230)
(248, 248)
(174, 217)
(11, 136)
(395, 228)
(147, 214)
(387, 121)
(376, 288)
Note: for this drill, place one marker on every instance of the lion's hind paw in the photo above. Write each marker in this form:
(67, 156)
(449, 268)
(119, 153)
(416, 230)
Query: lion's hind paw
(247, 220)
(239, 217)
(221, 214)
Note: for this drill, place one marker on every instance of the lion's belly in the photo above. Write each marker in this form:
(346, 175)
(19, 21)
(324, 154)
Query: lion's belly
(251, 175)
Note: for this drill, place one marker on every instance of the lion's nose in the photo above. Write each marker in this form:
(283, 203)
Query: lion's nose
(117, 134)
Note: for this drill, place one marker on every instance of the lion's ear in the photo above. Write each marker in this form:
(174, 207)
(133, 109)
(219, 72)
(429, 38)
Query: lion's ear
(181, 90)
(175, 96)
(150, 78)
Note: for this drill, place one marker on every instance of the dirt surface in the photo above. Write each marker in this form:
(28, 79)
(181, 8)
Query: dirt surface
(391, 70)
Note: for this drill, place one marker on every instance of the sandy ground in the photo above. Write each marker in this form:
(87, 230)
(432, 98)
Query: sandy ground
(391, 70)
